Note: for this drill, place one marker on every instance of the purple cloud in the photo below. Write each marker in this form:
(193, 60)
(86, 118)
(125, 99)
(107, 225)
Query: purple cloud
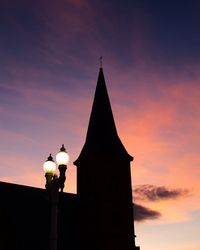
(148, 192)
(142, 213)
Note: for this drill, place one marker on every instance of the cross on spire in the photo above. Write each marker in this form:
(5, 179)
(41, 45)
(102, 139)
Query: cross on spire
(101, 61)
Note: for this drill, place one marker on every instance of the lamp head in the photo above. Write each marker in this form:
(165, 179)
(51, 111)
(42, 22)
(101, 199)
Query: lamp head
(62, 157)
(49, 166)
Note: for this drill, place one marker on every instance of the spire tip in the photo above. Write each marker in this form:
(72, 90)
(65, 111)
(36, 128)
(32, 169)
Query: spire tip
(101, 61)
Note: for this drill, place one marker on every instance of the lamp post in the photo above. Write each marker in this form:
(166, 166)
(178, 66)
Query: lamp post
(53, 185)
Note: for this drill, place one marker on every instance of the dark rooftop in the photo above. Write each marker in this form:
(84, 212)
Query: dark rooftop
(25, 219)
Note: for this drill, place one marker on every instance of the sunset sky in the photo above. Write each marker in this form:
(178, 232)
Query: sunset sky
(49, 63)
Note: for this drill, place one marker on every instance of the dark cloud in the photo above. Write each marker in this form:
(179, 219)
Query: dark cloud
(154, 193)
(142, 213)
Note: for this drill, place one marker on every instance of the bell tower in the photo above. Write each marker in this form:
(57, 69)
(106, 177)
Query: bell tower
(104, 181)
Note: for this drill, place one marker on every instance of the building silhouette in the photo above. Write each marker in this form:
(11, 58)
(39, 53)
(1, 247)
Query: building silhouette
(100, 216)
(104, 181)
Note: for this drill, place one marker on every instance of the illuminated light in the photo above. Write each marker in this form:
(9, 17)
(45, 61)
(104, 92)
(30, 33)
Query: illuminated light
(62, 157)
(49, 166)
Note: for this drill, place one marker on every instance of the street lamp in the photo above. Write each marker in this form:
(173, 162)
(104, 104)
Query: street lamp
(49, 166)
(53, 185)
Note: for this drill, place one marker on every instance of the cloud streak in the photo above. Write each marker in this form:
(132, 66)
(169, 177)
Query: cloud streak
(156, 193)
(142, 213)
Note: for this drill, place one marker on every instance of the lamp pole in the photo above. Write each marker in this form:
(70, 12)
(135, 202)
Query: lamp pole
(53, 185)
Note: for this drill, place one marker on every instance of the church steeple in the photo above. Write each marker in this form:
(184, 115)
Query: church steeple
(104, 181)
(102, 134)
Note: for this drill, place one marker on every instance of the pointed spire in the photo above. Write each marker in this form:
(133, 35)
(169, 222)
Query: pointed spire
(101, 124)
(102, 134)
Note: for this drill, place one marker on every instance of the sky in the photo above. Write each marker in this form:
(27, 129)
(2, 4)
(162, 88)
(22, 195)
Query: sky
(49, 64)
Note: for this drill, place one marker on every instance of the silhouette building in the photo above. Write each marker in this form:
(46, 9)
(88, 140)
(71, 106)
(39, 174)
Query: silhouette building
(104, 181)
(100, 216)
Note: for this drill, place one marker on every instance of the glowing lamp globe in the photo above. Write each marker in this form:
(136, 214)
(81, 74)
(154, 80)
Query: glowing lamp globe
(49, 166)
(62, 157)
